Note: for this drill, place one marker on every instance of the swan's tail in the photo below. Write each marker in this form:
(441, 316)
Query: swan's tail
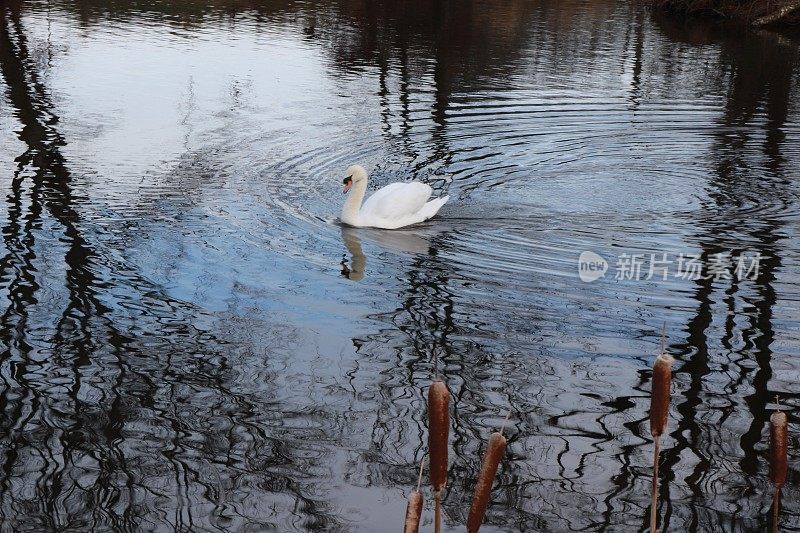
(432, 207)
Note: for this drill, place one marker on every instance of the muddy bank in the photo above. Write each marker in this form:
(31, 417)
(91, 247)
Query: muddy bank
(755, 12)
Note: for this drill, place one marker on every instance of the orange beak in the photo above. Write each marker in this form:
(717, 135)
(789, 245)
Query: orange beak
(348, 182)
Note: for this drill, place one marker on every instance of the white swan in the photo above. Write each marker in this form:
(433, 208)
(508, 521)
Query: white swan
(394, 206)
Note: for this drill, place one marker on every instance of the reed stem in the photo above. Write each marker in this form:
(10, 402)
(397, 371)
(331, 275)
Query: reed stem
(438, 512)
(654, 500)
(419, 479)
(776, 505)
(502, 427)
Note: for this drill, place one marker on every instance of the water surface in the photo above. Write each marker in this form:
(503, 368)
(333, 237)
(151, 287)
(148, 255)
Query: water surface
(192, 342)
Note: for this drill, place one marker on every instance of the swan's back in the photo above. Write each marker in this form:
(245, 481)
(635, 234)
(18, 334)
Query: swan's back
(396, 201)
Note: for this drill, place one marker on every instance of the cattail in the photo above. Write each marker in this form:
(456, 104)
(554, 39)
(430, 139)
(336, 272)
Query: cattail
(491, 460)
(413, 512)
(414, 508)
(659, 400)
(778, 439)
(438, 429)
(659, 412)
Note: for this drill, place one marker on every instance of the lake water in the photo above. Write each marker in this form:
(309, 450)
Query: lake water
(192, 342)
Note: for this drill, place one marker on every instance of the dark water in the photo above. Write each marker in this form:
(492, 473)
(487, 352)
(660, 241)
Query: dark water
(191, 342)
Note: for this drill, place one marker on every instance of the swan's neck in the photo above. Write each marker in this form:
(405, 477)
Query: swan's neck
(353, 203)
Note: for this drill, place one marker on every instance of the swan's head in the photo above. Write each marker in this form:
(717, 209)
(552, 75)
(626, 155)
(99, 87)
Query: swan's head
(353, 174)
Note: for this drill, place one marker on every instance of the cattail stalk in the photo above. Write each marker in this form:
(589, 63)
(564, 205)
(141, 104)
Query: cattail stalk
(437, 513)
(414, 508)
(654, 497)
(778, 463)
(659, 412)
(491, 460)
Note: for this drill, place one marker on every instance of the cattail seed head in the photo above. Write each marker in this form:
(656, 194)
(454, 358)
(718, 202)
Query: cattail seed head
(438, 429)
(659, 399)
(778, 443)
(491, 460)
(413, 512)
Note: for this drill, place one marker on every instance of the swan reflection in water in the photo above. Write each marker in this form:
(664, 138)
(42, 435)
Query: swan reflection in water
(404, 242)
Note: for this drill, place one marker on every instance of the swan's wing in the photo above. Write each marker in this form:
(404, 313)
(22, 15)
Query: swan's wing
(396, 200)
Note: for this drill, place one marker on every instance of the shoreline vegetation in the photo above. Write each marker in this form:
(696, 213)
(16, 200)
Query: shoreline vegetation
(660, 395)
(754, 12)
